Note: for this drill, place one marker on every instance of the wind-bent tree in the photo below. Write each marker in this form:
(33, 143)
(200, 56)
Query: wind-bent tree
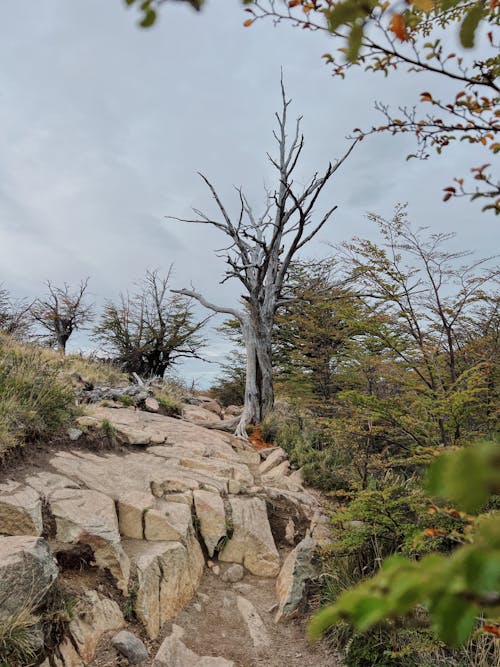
(149, 330)
(62, 312)
(259, 253)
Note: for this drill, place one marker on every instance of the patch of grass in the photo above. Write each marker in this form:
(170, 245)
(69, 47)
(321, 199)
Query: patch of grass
(126, 400)
(169, 405)
(20, 636)
(95, 371)
(34, 399)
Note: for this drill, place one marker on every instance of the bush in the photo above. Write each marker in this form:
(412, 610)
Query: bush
(35, 401)
(323, 466)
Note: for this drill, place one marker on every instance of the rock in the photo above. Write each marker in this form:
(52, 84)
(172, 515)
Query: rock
(20, 510)
(216, 570)
(233, 574)
(211, 517)
(27, 573)
(130, 646)
(66, 655)
(170, 521)
(297, 476)
(174, 653)
(197, 413)
(276, 457)
(277, 474)
(131, 509)
(291, 584)
(96, 616)
(165, 576)
(89, 517)
(211, 404)
(74, 434)
(233, 410)
(47, 482)
(252, 542)
(151, 404)
(256, 628)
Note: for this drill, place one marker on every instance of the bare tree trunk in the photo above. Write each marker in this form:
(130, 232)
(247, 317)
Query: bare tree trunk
(259, 393)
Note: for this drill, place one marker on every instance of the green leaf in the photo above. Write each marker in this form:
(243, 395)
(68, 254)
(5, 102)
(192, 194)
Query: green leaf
(453, 619)
(342, 14)
(149, 18)
(321, 621)
(469, 25)
(354, 42)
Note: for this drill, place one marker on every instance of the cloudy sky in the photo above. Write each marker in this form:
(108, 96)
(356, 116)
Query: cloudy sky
(103, 127)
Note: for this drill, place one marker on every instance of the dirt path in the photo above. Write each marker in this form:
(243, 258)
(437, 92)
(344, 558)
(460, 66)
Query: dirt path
(214, 625)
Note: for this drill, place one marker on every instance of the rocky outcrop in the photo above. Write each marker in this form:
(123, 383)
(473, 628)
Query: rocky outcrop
(131, 647)
(145, 517)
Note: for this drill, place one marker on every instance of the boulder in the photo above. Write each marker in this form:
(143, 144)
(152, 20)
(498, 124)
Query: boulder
(66, 655)
(174, 653)
(169, 521)
(292, 581)
(89, 517)
(274, 459)
(165, 576)
(252, 543)
(197, 413)
(276, 473)
(233, 410)
(211, 517)
(27, 573)
(96, 615)
(20, 510)
(130, 646)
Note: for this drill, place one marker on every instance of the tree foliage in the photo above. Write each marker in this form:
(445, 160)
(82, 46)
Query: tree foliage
(384, 36)
(455, 589)
(150, 330)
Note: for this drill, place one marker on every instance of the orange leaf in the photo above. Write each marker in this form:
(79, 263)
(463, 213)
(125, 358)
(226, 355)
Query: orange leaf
(493, 629)
(248, 23)
(425, 97)
(398, 27)
(294, 3)
(433, 532)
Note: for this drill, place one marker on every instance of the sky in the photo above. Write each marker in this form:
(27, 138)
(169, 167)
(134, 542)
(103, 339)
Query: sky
(104, 126)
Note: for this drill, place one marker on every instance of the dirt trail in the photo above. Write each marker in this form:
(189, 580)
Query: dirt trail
(214, 626)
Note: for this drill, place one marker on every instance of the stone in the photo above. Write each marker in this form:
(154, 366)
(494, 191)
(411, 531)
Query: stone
(131, 509)
(233, 574)
(130, 646)
(256, 628)
(216, 570)
(96, 615)
(252, 543)
(211, 404)
(211, 517)
(151, 404)
(276, 472)
(47, 482)
(174, 653)
(297, 476)
(89, 517)
(291, 584)
(27, 573)
(74, 434)
(20, 510)
(170, 521)
(66, 655)
(276, 457)
(233, 410)
(165, 576)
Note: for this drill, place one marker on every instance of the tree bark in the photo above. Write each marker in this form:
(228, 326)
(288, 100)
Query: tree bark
(259, 393)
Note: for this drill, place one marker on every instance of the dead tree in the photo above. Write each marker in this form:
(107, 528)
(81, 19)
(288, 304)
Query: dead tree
(15, 320)
(62, 312)
(259, 253)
